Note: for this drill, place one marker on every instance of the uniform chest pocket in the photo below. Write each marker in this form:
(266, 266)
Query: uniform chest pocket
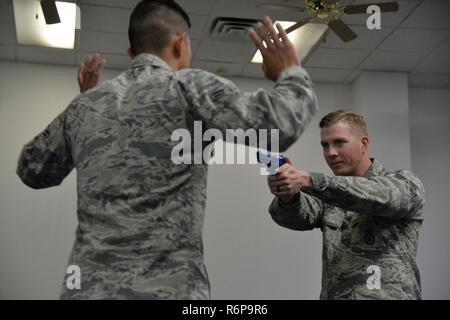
(332, 222)
(332, 236)
(371, 236)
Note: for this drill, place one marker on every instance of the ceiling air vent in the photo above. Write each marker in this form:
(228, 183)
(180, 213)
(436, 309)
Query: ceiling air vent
(233, 29)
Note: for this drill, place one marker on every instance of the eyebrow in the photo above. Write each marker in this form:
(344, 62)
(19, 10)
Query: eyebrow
(334, 140)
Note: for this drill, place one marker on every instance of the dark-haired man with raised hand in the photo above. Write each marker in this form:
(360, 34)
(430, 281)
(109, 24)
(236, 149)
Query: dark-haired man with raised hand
(140, 215)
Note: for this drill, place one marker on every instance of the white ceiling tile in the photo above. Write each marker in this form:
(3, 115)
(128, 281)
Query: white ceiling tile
(392, 61)
(366, 40)
(190, 6)
(197, 6)
(444, 47)
(328, 75)
(248, 9)
(116, 20)
(430, 14)
(336, 58)
(45, 55)
(225, 51)
(105, 25)
(103, 19)
(7, 52)
(223, 69)
(435, 63)
(416, 40)
(113, 3)
(199, 25)
(6, 33)
(93, 41)
(4, 11)
(388, 19)
(113, 61)
(428, 80)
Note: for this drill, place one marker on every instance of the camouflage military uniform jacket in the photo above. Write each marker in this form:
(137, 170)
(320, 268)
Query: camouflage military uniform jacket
(365, 221)
(140, 216)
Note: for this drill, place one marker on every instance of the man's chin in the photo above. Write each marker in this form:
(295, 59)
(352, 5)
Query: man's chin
(341, 172)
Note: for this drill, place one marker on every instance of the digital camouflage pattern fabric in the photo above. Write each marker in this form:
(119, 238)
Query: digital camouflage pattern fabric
(140, 216)
(365, 221)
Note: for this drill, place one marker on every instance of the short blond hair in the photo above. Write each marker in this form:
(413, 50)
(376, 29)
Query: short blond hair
(354, 119)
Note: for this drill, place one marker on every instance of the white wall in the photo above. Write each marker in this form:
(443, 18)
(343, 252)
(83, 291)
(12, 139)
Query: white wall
(247, 255)
(430, 136)
(382, 97)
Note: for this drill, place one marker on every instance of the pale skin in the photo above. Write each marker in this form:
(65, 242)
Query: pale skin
(89, 72)
(345, 149)
(277, 51)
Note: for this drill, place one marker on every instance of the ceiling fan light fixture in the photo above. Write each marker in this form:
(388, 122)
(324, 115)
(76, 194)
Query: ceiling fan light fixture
(331, 12)
(304, 39)
(32, 29)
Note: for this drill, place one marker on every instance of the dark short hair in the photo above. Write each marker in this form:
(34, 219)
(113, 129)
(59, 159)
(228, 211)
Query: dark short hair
(354, 119)
(152, 22)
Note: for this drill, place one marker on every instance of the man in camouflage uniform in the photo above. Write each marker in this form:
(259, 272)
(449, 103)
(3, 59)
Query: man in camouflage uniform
(369, 216)
(140, 216)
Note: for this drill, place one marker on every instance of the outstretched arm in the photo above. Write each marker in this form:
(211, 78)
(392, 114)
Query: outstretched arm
(289, 107)
(304, 213)
(397, 195)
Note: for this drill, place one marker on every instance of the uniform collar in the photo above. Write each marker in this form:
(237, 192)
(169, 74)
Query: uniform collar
(374, 169)
(147, 59)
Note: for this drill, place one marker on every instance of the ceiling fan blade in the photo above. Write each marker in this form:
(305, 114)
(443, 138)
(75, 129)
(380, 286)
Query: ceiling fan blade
(280, 7)
(297, 25)
(362, 8)
(342, 30)
(50, 11)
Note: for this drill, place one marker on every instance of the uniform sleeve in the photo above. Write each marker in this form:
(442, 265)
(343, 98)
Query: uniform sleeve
(46, 160)
(397, 195)
(304, 214)
(217, 102)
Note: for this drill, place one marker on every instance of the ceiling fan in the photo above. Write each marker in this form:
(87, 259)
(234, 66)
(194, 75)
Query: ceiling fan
(330, 11)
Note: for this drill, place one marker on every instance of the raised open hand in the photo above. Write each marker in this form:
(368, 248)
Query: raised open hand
(89, 72)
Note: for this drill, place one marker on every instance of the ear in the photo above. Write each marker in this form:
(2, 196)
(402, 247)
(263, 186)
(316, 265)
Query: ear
(131, 53)
(177, 47)
(364, 144)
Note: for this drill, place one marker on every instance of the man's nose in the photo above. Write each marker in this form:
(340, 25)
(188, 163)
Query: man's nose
(331, 152)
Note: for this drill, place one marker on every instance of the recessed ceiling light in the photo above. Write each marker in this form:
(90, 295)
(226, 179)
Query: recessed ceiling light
(304, 39)
(31, 28)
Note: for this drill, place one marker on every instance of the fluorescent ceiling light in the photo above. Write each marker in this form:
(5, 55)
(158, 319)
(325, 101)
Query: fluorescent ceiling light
(32, 31)
(304, 39)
